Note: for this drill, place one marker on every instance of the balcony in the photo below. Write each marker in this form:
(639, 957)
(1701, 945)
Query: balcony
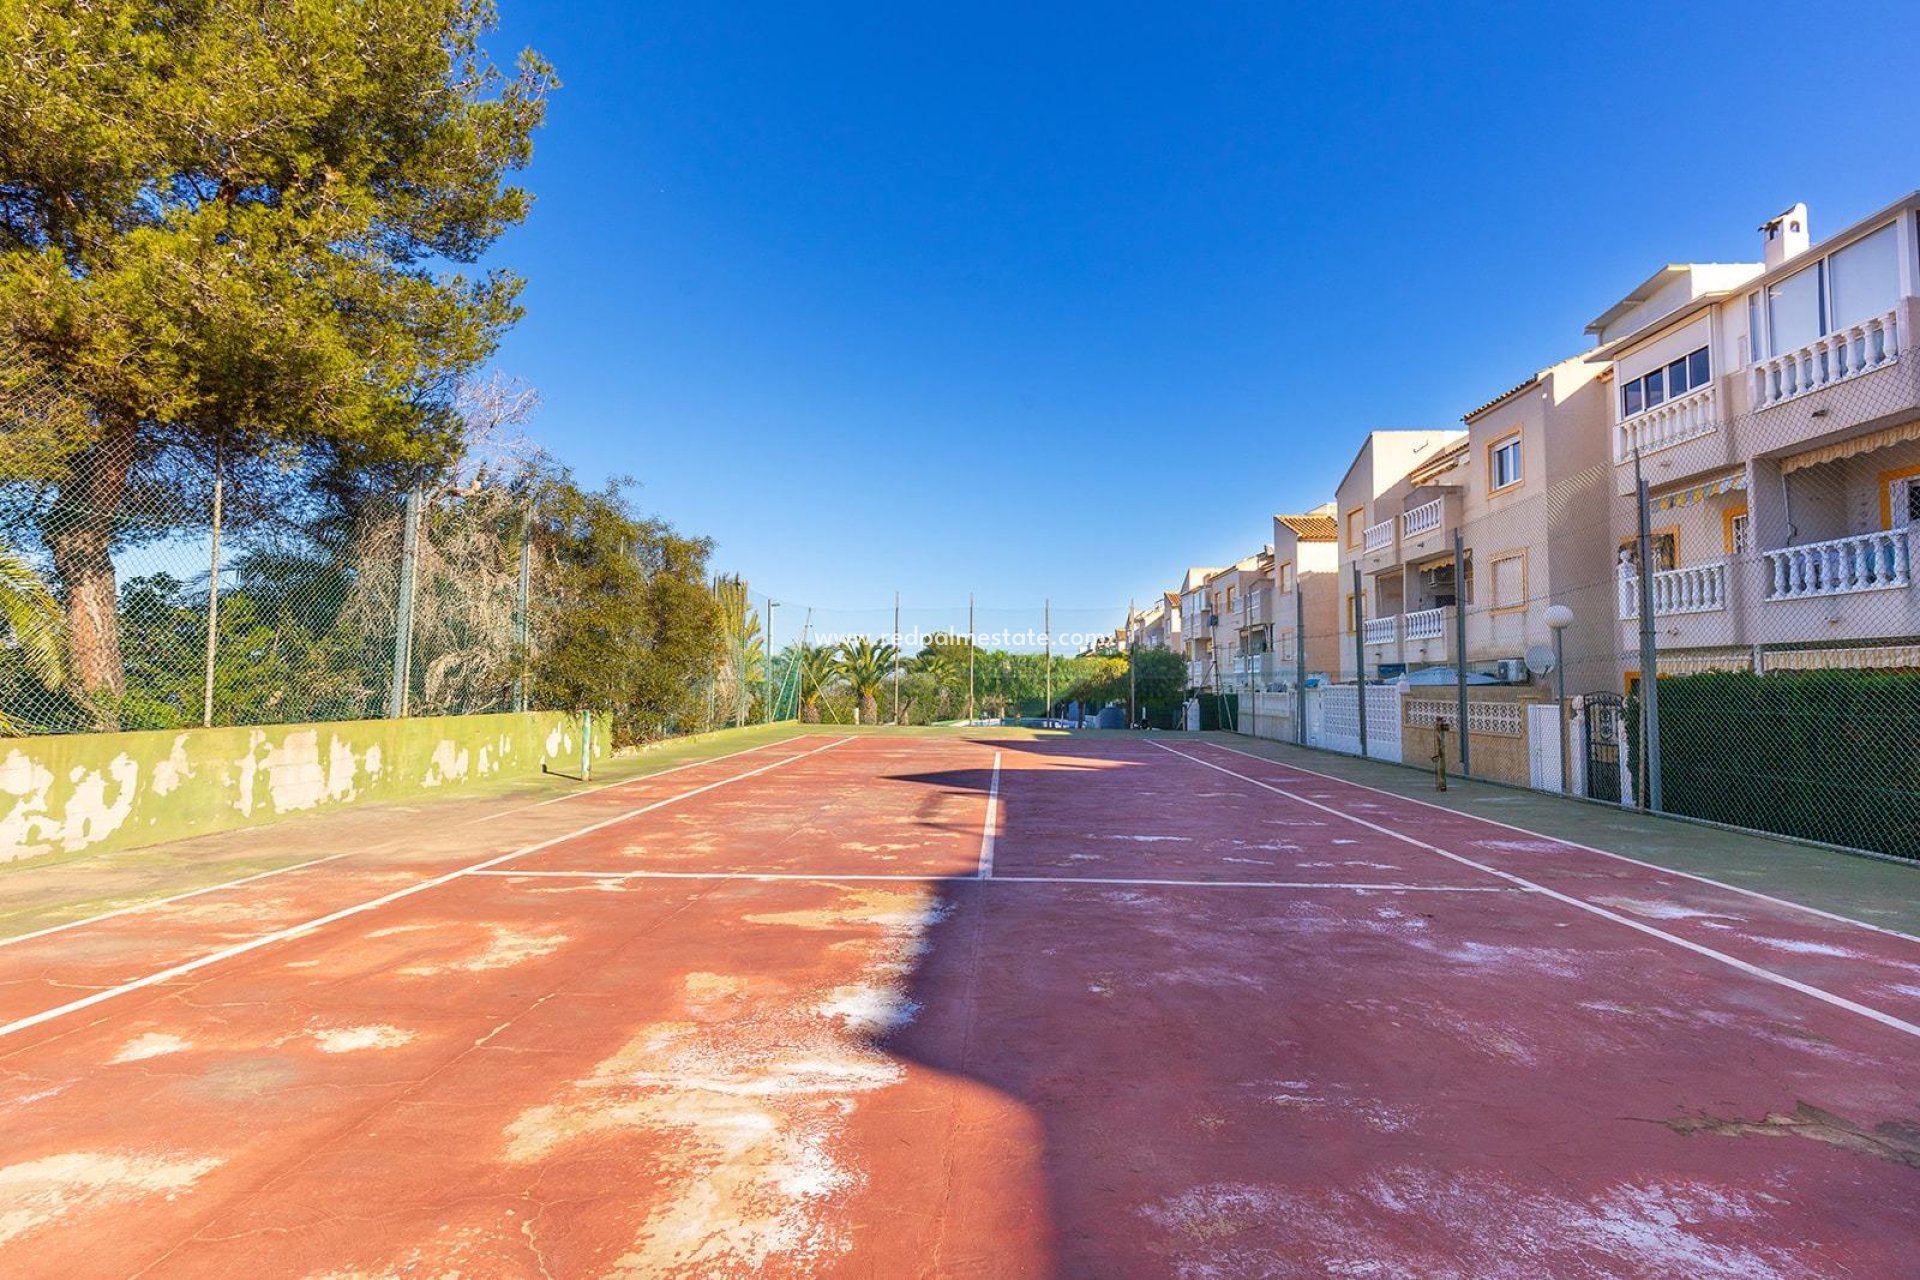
(1415, 639)
(1840, 566)
(1846, 353)
(1669, 423)
(1379, 549)
(1699, 588)
(1424, 518)
(1427, 528)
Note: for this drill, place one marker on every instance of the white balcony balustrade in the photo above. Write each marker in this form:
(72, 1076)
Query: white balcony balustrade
(1667, 424)
(1422, 519)
(1694, 588)
(1427, 624)
(1840, 566)
(1381, 630)
(1378, 537)
(1842, 354)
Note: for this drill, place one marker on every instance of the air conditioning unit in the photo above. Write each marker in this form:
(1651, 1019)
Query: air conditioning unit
(1513, 670)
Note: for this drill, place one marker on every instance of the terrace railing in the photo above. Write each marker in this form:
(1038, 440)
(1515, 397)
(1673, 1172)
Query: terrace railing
(1694, 588)
(1667, 424)
(1423, 518)
(1842, 354)
(1839, 566)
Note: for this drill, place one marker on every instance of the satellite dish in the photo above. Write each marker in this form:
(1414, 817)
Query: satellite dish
(1540, 659)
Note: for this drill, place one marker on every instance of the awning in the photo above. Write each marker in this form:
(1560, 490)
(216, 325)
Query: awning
(1700, 492)
(1849, 448)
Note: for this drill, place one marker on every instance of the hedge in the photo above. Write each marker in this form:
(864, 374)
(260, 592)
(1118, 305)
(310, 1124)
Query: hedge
(1824, 755)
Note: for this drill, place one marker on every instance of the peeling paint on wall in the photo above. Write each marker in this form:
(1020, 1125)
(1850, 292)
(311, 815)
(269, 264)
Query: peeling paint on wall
(78, 792)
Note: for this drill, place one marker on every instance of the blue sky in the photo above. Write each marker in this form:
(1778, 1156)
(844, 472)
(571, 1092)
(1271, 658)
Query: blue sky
(1056, 302)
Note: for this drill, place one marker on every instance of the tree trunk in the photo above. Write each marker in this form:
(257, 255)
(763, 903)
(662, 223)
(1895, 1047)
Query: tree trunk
(79, 532)
(869, 709)
(809, 714)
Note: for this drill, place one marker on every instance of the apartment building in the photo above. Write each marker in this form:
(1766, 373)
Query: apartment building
(1198, 621)
(1775, 414)
(1306, 593)
(1158, 625)
(1368, 517)
(1524, 496)
(1243, 636)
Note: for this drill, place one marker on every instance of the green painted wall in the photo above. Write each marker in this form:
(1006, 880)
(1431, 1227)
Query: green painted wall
(95, 792)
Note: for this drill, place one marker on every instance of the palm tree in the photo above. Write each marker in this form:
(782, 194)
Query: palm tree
(30, 620)
(819, 667)
(865, 665)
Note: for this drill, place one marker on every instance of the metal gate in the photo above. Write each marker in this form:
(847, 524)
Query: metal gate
(1605, 716)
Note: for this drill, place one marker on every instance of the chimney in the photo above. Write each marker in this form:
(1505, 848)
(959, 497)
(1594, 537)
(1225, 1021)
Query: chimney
(1786, 236)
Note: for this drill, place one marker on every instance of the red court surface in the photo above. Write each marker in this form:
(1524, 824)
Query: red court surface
(924, 1006)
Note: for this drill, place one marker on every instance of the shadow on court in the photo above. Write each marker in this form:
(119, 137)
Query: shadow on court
(1456, 1079)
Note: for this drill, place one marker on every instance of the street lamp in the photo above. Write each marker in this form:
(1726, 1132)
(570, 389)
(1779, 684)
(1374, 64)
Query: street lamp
(1559, 618)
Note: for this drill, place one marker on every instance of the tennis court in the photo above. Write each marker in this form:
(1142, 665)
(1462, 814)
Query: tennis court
(979, 1004)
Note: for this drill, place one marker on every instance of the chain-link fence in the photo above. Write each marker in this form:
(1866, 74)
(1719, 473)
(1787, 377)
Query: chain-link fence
(1764, 573)
(912, 663)
(198, 599)
(154, 580)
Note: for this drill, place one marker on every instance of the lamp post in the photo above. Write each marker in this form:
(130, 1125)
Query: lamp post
(1559, 618)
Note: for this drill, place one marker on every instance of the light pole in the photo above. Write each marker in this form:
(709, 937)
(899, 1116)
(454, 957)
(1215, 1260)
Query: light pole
(771, 695)
(1559, 618)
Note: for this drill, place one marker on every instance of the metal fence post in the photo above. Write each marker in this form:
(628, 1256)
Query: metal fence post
(1360, 655)
(1299, 660)
(403, 609)
(1246, 659)
(213, 587)
(1460, 649)
(1649, 652)
(523, 601)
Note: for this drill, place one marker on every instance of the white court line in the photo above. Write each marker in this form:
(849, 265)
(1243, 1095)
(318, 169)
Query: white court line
(649, 777)
(827, 877)
(132, 908)
(1574, 844)
(986, 828)
(295, 931)
(1734, 962)
(1263, 884)
(161, 902)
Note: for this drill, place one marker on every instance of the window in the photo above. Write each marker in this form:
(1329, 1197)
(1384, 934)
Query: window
(1689, 373)
(1857, 283)
(1229, 598)
(1354, 529)
(1286, 578)
(1666, 551)
(1510, 582)
(1739, 536)
(1796, 310)
(1504, 463)
(1900, 497)
(1865, 278)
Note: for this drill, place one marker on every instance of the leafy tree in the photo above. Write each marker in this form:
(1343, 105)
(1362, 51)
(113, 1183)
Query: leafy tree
(865, 665)
(741, 678)
(30, 626)
(1160, 685)
(624, 621)
(819, 667)
(220, 225)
